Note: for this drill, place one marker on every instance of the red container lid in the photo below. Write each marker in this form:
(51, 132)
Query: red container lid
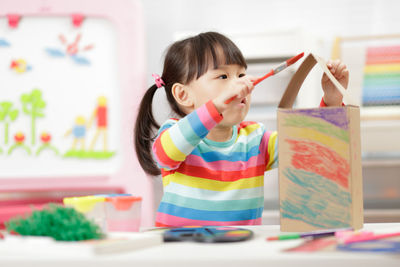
(123, 202)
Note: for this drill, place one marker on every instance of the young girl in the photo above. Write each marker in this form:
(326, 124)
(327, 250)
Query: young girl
(212, 162)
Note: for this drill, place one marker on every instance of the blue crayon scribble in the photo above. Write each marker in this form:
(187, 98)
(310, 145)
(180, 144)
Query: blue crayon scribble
(315, 200)
(55, 52)
(80, 60)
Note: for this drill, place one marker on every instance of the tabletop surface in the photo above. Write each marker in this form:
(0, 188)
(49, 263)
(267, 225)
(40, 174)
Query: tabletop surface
(254, 252)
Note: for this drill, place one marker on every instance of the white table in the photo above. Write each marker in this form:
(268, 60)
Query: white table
(255, 252)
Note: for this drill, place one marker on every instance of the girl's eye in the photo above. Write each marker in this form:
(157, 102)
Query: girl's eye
(223, 76)
(242, 75)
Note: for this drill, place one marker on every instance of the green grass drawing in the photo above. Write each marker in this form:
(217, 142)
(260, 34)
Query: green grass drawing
(48, 147)
(7, 115)
(82, 154)
(33, 105)
(19, 145)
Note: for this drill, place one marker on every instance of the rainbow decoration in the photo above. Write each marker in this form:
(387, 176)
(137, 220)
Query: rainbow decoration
(314, 167)
(381, 83)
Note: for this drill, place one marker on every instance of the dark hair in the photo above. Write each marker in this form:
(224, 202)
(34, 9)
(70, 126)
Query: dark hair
(185, 61)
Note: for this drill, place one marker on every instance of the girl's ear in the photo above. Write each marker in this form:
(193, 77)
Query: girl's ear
(182, 96)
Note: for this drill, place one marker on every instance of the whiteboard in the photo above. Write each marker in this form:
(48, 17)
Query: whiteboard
(70, 86)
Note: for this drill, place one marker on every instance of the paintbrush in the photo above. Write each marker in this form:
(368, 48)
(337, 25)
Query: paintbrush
(274, 71)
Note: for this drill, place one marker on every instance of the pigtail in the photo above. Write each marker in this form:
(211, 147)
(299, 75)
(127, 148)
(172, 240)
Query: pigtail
(143, 133)
(185, 61)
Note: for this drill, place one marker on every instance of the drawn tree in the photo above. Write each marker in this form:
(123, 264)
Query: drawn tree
(7, 115)
(33, 105)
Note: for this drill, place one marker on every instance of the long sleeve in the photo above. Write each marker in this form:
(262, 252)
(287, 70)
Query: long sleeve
(322, 104)
(272, 150)
(177, 139)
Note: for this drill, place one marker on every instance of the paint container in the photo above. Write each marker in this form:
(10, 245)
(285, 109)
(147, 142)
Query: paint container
(123, 213)
(93, 207)
(112, 195)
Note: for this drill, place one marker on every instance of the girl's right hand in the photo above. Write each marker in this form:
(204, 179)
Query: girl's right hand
(239, 90)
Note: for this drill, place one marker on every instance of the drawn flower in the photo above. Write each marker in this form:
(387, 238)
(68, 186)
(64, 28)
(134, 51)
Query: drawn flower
(19, 138)
(19, 144)
(45, 137)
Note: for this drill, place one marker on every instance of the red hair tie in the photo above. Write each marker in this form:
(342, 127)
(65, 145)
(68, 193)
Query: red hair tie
(158, 80)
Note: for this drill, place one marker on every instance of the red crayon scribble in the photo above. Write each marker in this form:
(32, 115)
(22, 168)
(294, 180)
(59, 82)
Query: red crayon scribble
(318, 159)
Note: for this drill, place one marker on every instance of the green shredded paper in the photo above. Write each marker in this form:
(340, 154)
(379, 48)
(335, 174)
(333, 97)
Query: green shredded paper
(59, 222)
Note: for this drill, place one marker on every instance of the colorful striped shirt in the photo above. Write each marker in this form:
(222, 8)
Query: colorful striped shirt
(212, 183)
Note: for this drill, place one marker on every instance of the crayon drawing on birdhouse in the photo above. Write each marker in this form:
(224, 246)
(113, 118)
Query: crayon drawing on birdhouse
(318, 141)
(320, 177)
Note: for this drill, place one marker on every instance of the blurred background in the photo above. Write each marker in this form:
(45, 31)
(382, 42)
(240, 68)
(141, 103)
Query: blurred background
(364, 34)
(269, 32)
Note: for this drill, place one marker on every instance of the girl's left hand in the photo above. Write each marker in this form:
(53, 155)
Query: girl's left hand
(332, 96)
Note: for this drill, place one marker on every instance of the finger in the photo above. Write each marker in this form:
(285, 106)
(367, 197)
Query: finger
(230, 100)
(335, 64)
(250, 86)
(231, 95)
(339, 70)
(345, 73)
(246, 86)
(332, 69)
(243, 92)
(325, 78)
(251, 78)
(247, 89)
(250, 82)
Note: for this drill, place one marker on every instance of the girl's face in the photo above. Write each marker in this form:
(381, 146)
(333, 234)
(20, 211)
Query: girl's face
(213, 83)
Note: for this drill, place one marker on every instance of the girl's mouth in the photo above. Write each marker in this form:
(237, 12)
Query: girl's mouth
(243, 101)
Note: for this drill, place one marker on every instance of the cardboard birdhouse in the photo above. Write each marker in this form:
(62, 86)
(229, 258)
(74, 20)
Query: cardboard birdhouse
(320, 176)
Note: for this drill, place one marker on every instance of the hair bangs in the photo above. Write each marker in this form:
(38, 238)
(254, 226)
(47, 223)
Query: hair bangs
(211, 50)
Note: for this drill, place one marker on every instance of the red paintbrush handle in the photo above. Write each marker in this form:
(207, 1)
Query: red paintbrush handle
(289, 62)
(293, 60)
(264, 77)
(230, 100)
(254, 83)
